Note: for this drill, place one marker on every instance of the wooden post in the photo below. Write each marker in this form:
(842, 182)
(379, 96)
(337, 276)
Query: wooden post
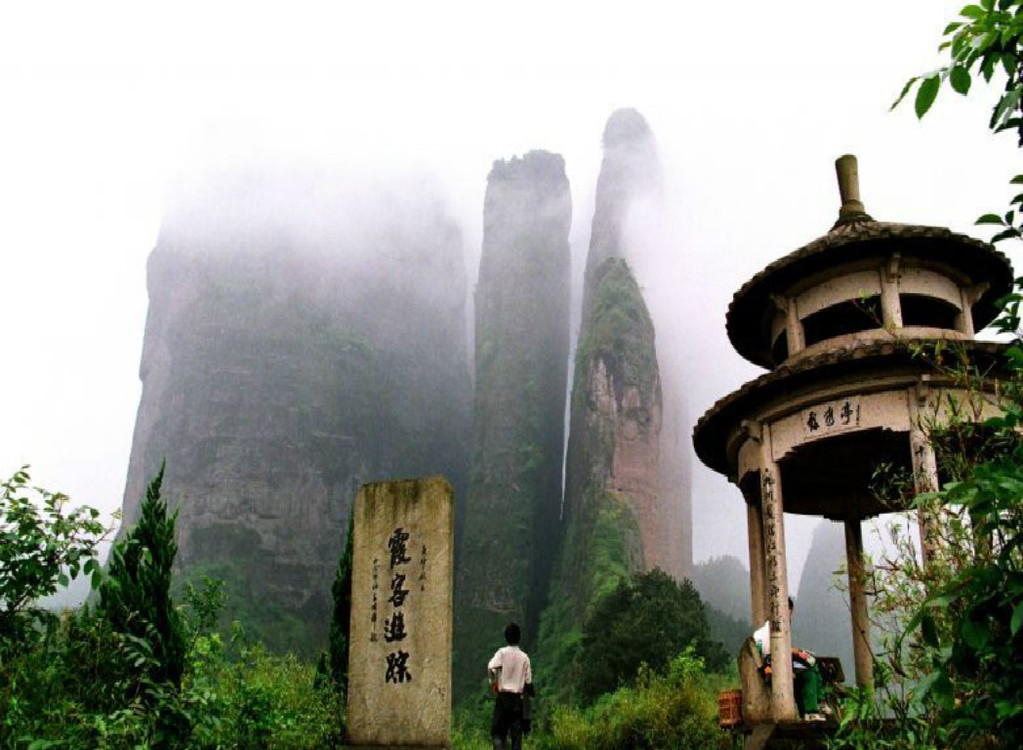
(858, 604)
(783, 702)
(755, 528)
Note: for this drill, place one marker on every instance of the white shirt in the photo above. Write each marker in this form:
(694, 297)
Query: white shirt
(515, 671)
(763, 638)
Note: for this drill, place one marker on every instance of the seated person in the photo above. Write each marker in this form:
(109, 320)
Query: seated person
(807, 679)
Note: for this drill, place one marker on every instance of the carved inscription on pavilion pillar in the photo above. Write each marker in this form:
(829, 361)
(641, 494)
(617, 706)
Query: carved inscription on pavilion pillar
(399, 691)
(772, 553)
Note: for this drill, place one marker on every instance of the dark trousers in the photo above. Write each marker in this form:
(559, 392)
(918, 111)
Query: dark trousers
(507, 720)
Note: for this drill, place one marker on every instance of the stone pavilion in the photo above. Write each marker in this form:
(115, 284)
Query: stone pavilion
(839, 325)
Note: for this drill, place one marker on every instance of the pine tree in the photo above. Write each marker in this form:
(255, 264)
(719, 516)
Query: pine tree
(340, 622)
(135, 595)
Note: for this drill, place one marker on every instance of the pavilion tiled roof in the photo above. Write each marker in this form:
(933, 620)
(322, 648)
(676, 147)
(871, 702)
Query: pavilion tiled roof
(747, 320)
(710, 435)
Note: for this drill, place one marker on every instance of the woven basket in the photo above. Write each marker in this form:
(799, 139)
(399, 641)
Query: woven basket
(730, 708)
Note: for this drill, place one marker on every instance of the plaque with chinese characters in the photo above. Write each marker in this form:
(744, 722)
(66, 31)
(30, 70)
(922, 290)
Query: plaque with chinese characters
(833, 416)
(399, 689)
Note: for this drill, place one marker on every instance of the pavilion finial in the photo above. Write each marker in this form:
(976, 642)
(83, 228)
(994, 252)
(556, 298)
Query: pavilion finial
(852, 209)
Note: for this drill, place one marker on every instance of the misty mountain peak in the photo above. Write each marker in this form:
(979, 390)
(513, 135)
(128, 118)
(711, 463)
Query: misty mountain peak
(536, 164)
(624, 127)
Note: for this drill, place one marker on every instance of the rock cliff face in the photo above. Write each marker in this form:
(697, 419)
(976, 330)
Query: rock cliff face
(631, 173)
(613, 452)
(623, 508)
(506, 549)
(614, 448)
(303, 337)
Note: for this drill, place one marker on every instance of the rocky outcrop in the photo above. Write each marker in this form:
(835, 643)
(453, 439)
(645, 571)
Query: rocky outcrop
(630, 176)
(509, 535)
(614, 444)
(625, 506)
(611, 471)
(304, 336)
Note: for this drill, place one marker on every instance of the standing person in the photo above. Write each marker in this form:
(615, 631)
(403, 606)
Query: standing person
(510, 676)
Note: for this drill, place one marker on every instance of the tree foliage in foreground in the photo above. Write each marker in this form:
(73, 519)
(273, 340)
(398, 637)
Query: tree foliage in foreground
(647, 619)
(43, 545)
(670, 708)
(340, 621)
(947, 667)
(135, 595)
(950, 672)
(137, 671)
(971, 622)
(986, 41)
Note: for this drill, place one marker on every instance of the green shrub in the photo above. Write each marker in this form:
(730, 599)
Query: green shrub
(138, 671)
(647, 619)
(673, 709)
(259, 700)
(676, 709)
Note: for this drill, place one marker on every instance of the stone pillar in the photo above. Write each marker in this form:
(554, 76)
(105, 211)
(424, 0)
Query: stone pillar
(858, 604)
(891, 306)
(969, 296)
(964, 320)
(925, 479)
(795, 336)
(755, 527)
(783, 703)
(399, 665)
(925, 466)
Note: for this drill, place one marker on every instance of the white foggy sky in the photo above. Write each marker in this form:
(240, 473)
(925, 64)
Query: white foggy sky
(109, 107)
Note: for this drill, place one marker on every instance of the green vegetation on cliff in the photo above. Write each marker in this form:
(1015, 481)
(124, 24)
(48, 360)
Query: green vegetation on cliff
(619, 329)
(509, 535)
(602, 544)
(612, 554)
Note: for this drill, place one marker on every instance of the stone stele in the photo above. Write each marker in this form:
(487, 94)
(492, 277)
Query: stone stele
(399, 684)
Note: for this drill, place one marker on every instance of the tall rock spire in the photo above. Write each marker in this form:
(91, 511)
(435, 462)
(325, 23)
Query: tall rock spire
(629, 171)
(621, 512)
(612, 471)
(522, 339)
(630, 177)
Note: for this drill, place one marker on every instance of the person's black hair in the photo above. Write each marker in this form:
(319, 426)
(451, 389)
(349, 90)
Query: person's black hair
(512, 634)
(792, 603)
